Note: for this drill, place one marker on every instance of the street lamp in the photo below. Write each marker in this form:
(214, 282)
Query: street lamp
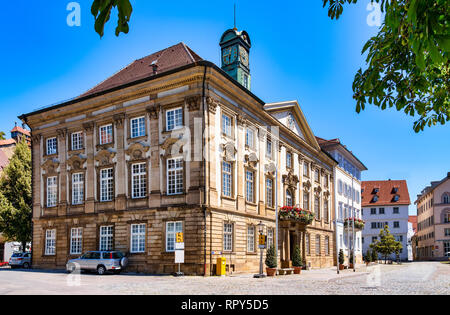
(261, 247)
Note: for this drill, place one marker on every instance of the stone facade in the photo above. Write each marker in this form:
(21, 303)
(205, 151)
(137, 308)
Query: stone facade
(207, 215)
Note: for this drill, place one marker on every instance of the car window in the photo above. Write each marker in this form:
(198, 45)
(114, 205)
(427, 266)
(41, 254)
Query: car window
(17, 255)
(27, 255)
(87, 256)
(117, 255)
(95, 256)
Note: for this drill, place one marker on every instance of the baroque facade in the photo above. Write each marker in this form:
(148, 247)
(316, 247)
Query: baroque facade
(173, 143)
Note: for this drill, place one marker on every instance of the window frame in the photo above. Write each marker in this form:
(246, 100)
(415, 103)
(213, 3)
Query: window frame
(251, 239)
(109, 137)
(80, 189)
(107, 237)
(80, 141)
(54, 193)
(177, 171)
(140, 191)
(77, 240)
(171, 235)
(141, 132)
(139, 235)
(250, 184)
(176, 119)
(54, 146)
(110, 189)
(50, 240)
(228, 237)
(227, 193)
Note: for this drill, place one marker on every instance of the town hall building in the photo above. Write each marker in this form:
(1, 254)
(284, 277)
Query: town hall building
(173, 143)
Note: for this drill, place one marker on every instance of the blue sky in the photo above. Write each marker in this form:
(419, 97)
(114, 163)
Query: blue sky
(297, 53)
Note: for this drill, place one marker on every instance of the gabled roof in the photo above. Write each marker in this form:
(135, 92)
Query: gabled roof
(304, 130)
(162, 61)
(7, 142)
(329, 144)
(413, 220)
(386, 193)
(433, 186)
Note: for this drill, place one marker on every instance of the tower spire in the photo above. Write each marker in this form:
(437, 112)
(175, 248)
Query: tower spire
(235, 28)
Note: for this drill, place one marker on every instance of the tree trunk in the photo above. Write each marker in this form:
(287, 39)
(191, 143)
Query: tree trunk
(24, 246)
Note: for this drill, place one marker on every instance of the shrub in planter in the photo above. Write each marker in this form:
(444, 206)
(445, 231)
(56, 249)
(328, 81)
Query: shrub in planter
(341, 260)
(297, 260)
(368, 257)
(271, 262)
(374, 255)
(351, 260)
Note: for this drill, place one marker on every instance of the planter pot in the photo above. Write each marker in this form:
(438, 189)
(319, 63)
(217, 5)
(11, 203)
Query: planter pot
(367, 264)
(297, 270)
(271, 272)
(350, 266)
(341, 267)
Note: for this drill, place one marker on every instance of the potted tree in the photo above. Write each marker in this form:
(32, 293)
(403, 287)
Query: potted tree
(271, 262)
(341, 260)
(351, 261)
(368, 257)
(297, 261)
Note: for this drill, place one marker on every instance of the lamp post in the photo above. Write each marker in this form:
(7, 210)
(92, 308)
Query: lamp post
(261, 247)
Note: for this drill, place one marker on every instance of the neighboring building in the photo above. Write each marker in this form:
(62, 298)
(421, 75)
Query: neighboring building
(386, 203)
(124, 167)
(433, 216)
(347, 196)
(412, 230)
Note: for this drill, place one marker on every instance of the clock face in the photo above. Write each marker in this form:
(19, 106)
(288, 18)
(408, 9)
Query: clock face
(229, 55)
(244, 56)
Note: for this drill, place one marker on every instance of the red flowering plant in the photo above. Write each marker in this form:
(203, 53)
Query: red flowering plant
(296, 214)
(359, 224)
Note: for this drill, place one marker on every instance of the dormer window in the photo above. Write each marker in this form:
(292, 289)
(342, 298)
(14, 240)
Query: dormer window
(375, 199)
(395, 190)
(396, 198)
(376, 190)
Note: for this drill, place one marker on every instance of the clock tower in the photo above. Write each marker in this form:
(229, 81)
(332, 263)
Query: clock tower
(235, 47)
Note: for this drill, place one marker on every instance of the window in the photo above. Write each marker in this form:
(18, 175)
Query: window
(447, 232)
(446, 199)
(228, 237)
(139, 180)
(305, 200)
(138, 238)
(289, 199)
(50, 242)
(175, 176)
(318, 245)
(305, 169)
(76, 238)
(269, 192)
(249, 186)
(249, 138)
(308, 244)
(251, 239)
(77, 189)
(447, 218)
(325, 210)
(316, 175)
(106, 134)
(396, 210)
(137, 127)
(52, 191)
(396, 224)
(270, 239)
(246, 81)
(374, 239)
(174, 119)
(317, 207)
(340, 187)
(226, 125)
(289, 160)
(52, 146)
(327, 245)
(381, 211)
(106, 184)
(396, 198)
(106, 238)
(77, 141)
(373, 211)
(172, 228)
(269, 149)
(227, 179)
(325, 180)
(447, 248)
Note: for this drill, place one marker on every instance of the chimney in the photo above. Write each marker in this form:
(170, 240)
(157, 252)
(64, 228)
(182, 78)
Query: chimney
(155, 67)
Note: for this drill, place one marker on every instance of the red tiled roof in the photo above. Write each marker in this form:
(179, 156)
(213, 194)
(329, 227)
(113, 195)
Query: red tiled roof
(385, 194)
(7, 142)
(413, 220)
(323, 142)
(165, 60)
(21, 130)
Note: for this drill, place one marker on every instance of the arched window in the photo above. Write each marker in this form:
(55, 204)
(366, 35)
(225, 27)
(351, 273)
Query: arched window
(446, 198)
(289, 199)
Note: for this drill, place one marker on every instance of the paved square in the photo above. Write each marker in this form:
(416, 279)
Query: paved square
(408, 278)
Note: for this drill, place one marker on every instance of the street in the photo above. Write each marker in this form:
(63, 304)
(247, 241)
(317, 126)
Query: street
(408, 278)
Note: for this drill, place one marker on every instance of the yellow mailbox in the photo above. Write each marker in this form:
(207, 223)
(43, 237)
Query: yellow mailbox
(221, 267)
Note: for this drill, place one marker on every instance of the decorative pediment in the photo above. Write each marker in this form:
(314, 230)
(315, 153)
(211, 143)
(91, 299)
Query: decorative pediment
(174, 146)
(251, 159)
(76, 161)
(307, 185)
(290, 180)
(229, 151)
(137, 151)
(270, 168)
(326, 194)
(50, 166)
(193, 102)
(105, 157)
(317, 190)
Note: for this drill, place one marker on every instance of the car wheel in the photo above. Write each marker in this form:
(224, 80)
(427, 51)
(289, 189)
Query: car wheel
(101, 270)
(26, 265)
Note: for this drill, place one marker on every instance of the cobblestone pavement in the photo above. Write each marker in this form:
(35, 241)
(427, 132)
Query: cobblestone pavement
(408, 278)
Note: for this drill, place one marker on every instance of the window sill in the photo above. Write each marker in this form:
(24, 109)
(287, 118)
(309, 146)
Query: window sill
(251, 203)
(228, 198)
(78, 151)
(144, 137)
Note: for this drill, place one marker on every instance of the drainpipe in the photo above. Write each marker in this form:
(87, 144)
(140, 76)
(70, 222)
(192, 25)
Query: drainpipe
(336, 216)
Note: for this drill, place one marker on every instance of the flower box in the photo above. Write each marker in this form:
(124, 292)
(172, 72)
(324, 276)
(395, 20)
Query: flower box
(359, 224)
(296, 214)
